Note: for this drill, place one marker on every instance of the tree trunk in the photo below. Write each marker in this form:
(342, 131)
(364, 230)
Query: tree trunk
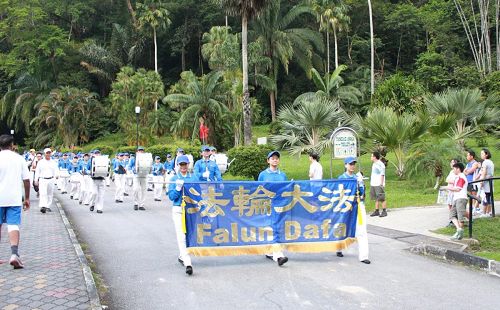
(497, 37)
(327, 51)
(156, 50)
(272, 99)
(336, 48)
(183, 58)
(247, 112)
(132, 12)
(372, 51)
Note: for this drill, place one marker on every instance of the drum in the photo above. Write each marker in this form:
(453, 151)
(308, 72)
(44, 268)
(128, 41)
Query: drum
(221, 161)
(100, 167)
(143, 164)
(63, 173)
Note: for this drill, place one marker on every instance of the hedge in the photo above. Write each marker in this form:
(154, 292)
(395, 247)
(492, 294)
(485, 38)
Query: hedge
(249, 161)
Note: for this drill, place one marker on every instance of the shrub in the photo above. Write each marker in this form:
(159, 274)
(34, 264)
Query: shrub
(127, 149)
(105, 149)
(249, 161)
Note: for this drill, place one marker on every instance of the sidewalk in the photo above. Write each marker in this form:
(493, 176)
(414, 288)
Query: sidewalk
(55, 275)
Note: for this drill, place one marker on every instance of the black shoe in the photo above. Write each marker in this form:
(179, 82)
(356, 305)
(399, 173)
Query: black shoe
(118, 200)
(375, 213)
(70, 197)
(189, 270)
(156, 199)
(150, 189)
(87, 204)
(340, 254)
(99, 211)
(366, 261)
(383, 214)
(43, 209)
(142, 208)
(64, 192)
(269, 256)
(136, 207)
(180, 261)
(80, 202)
(282, 260)
(125, 194)
(91, 208)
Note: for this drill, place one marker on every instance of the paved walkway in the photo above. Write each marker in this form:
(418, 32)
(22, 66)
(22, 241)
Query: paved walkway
(53, 277)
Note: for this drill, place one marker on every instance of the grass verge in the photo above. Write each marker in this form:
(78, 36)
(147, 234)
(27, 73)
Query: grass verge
(486, 231)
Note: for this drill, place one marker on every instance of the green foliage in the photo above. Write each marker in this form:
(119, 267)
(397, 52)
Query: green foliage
(432, 71)
(400, 93)
(249, 161)
(104, 149)
(490, 85)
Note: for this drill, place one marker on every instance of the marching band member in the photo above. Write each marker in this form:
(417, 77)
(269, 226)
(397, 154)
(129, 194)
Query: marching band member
(63, 164)
(120, 177)
(97, 196)
(158, 172)
(169, 165)
(75, 178)
(128, 175)
(206, 169)
(86, 184)
(175, 194)
(139, 183)
(45, 173)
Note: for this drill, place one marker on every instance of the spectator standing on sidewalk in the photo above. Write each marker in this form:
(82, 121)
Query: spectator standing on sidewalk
(13, 172)
(315, 168)
(487, 169)
(377, 185)
(45, 174)
(459, 204)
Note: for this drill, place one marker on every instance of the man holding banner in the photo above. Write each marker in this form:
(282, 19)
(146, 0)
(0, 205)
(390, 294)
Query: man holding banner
(273, 173)
(175, 193)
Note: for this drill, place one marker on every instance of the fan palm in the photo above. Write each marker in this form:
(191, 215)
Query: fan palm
(307, 125)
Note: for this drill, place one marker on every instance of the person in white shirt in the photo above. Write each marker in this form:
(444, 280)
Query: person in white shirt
(315, 169)
(487, 170)
(459, 190)
(13, 172)
(377, 185)
(45, 174)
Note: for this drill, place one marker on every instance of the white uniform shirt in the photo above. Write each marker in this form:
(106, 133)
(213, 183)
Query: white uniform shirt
(378, 169)
(460, 182)
(489, 167)
(316, 170)
(46, 169)
(13, 171)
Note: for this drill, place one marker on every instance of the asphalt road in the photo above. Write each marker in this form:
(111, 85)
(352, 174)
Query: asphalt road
(136, 253)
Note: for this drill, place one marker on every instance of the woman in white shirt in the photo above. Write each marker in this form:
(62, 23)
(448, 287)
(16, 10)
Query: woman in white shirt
(315, 169)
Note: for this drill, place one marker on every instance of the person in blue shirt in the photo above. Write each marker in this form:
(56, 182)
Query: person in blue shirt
(273, 174)
(129, 176)
(86, 186)
(139, 184)
(119, 172)
(206, 169)
(175, 195)
(75, 178)
(63, 165)
(158, 171)
(361, 234)
(169, 165)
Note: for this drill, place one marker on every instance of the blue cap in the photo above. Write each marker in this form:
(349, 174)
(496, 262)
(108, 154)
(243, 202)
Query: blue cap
(140, 148)
(97, 152)
(206, 148)
(212, 148)
(350, 160)
(126, 154)
(169, 155)
(273, 153)
(157, 157)
(180, 150)
(183, 159)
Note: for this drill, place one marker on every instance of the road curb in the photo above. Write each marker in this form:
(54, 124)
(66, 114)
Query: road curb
(95, 302)
(445, 250)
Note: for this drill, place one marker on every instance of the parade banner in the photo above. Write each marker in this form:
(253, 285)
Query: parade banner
(234, 218)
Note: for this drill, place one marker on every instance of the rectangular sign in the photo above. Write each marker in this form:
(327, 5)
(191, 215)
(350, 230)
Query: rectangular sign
(233, 218)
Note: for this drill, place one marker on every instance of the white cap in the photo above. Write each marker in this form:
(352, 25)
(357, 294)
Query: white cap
(47, 150)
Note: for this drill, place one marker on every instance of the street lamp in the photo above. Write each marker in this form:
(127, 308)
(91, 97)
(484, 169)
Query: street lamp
(137, 111)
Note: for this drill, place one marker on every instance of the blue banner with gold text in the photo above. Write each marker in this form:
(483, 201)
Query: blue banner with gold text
(238, 217)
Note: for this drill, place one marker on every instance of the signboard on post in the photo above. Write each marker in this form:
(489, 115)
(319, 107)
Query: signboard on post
(344, 143)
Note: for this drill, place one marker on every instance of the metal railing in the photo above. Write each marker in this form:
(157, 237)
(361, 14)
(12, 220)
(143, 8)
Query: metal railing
(471, 198)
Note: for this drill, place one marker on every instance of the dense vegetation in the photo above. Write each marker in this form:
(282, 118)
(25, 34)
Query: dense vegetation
(73, 71)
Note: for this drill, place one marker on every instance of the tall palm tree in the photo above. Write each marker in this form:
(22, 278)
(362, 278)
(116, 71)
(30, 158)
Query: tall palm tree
(64, 116)
(247, 9)
(372, 50)
(201, 99)
(331, 14)
(281, 42)
(307, 125)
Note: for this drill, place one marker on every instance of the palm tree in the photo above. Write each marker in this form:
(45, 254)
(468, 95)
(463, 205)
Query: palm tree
(307, 125)
(281, 43)
(462, 113)
(153, 14)
(331, 86)
(201, 99)
(17, 106)
(247, 9)
(396, 132)
(64, 116)
(372, 50)
(331, 14)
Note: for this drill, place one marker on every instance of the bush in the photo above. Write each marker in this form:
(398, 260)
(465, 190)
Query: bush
(400, 93)
(73, 150)
(249, 161)
(126, 149)
(105, 149)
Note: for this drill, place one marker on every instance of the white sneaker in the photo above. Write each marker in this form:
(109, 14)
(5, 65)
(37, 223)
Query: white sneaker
(16, 262)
